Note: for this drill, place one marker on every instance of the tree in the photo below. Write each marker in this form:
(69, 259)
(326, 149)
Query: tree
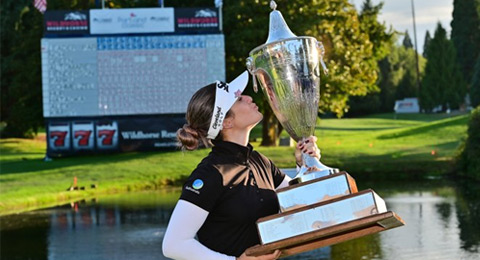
(407, 42)
(408, 87)
(475, 86)
(466, 35)
(443, 82)
(382, 40)
(378, 34)
(426, 42)
(467, 159)
(21, 95)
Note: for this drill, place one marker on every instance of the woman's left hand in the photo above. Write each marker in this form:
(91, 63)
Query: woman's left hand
(308, 146)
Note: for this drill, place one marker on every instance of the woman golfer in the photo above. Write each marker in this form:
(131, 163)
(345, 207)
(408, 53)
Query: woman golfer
(233, 186)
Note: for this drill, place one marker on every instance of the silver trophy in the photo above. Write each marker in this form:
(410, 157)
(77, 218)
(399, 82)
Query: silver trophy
(288, 69)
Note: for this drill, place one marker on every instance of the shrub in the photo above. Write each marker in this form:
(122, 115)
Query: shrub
(468, 160)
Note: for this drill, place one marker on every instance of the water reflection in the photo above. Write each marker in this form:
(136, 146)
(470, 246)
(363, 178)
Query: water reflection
(442, 223)
(96, 232)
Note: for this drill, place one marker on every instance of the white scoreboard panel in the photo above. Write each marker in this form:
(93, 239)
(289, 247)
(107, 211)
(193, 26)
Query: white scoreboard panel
(127, 75)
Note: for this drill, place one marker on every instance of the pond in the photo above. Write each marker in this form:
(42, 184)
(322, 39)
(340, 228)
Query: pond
(442, 222)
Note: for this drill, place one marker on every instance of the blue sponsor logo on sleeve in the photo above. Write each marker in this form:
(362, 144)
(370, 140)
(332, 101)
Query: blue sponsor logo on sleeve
(197, 184)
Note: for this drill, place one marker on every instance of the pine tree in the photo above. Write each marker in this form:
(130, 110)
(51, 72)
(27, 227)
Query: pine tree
(443, 83)
(466, 35)
(407, 87)
(407, 42)
(427, 40)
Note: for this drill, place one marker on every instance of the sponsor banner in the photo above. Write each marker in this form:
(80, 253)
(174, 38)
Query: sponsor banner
(196, 19)
(138, 20)
(407, 105)
(106, 135)
(149, 133)
(99, 135)
(66, 22)
(58, 137)
(83, 137)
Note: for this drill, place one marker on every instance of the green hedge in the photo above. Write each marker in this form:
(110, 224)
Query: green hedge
(469, 158)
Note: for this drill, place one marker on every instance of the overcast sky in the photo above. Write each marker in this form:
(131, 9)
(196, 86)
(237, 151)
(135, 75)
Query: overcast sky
(398, 13)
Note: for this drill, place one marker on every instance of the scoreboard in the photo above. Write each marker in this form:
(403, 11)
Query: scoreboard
(121, 79)
(127, 75)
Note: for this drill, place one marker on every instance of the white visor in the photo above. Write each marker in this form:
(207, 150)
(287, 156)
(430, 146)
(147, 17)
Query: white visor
(225, 96)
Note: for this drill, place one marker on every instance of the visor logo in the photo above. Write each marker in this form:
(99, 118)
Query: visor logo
(223, 85)
(218, 118)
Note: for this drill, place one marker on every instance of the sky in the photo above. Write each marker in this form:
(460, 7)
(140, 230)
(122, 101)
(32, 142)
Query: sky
(398, 14)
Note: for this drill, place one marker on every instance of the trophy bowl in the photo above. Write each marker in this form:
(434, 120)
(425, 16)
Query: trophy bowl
(288, 70)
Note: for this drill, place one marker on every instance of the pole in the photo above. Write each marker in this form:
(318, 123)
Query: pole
(220, 18)
(416, 49)
(219, 5)
(103, 4)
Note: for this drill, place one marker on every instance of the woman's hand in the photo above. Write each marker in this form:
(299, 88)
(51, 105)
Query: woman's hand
(272, 256)
(308, 146)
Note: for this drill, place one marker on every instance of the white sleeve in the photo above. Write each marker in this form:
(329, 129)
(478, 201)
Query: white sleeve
(179, 242)
(284, 182)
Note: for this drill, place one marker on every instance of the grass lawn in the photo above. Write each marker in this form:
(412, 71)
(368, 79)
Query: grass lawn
(378, 146)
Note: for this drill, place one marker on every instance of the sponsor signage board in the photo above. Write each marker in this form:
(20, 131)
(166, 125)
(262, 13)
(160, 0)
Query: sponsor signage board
(66, 22)
(197, 19)
(407, 105)
(122, 134)
(131, 20)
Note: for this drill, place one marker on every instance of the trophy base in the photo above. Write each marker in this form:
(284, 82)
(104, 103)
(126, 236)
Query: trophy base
(313, 175)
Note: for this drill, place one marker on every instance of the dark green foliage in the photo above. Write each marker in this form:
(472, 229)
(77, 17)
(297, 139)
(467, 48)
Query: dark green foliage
(407, 42)
(475, 86)
(426, 42)
(408, 87)
(382, 40)
(21, 96)
(398, 76)
(387, 82)
(466, 35)
(443, 84)
(364, 105)
(378, 34)
(468, 161)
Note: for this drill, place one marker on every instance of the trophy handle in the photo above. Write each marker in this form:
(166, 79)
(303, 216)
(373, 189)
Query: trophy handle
(311, 169)
(321, 49)
(251, 69)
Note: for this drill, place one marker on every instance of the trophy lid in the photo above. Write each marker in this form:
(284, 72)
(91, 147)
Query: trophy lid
(278, 27)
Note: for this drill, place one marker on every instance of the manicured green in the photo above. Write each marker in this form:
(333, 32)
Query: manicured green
(378, 146)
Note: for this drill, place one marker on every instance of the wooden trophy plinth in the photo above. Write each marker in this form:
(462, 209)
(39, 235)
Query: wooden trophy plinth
(322, 212)
(330, 235)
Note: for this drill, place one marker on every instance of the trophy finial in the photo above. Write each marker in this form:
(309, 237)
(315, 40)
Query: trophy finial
(273, 5)
(278, 27)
